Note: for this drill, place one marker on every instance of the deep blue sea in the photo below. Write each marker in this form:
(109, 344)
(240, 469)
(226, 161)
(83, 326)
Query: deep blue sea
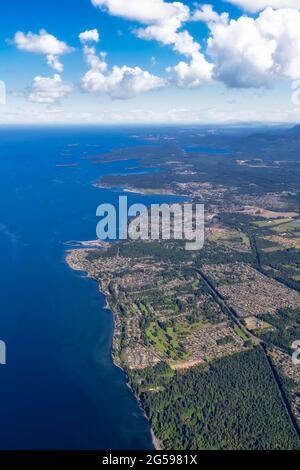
(59, 389)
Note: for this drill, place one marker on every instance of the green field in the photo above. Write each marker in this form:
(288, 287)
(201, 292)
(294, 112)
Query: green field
(166, 341)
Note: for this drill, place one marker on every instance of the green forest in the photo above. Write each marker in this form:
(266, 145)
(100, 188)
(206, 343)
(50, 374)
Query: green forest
(232, 404)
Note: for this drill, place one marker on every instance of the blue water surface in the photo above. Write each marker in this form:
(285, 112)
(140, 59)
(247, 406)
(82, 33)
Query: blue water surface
(59, 389)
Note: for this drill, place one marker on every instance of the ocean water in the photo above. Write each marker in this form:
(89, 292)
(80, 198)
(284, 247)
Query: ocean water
(59, 389)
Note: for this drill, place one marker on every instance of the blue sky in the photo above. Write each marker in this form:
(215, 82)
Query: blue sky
(151, 61)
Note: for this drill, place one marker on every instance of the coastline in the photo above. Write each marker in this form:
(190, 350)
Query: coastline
(97, 244)
(72, 264)
(156, 443)
(142, 191)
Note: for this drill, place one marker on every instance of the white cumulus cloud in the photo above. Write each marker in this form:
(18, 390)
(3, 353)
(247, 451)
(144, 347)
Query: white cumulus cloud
(119, 83)
(89, 36)
(163, 22)
(49, 90)
(255, 6)
(250, 52)
(43, 43)
(207, 14)
(193, 74)
(144, 11)
(245, 52)
(55, 63)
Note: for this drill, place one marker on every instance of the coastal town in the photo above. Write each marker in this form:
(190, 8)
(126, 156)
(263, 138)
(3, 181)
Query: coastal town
(178, 311)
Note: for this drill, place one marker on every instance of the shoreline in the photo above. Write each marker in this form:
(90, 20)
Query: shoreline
(142, 191)
(75, 267)
(156, 443)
